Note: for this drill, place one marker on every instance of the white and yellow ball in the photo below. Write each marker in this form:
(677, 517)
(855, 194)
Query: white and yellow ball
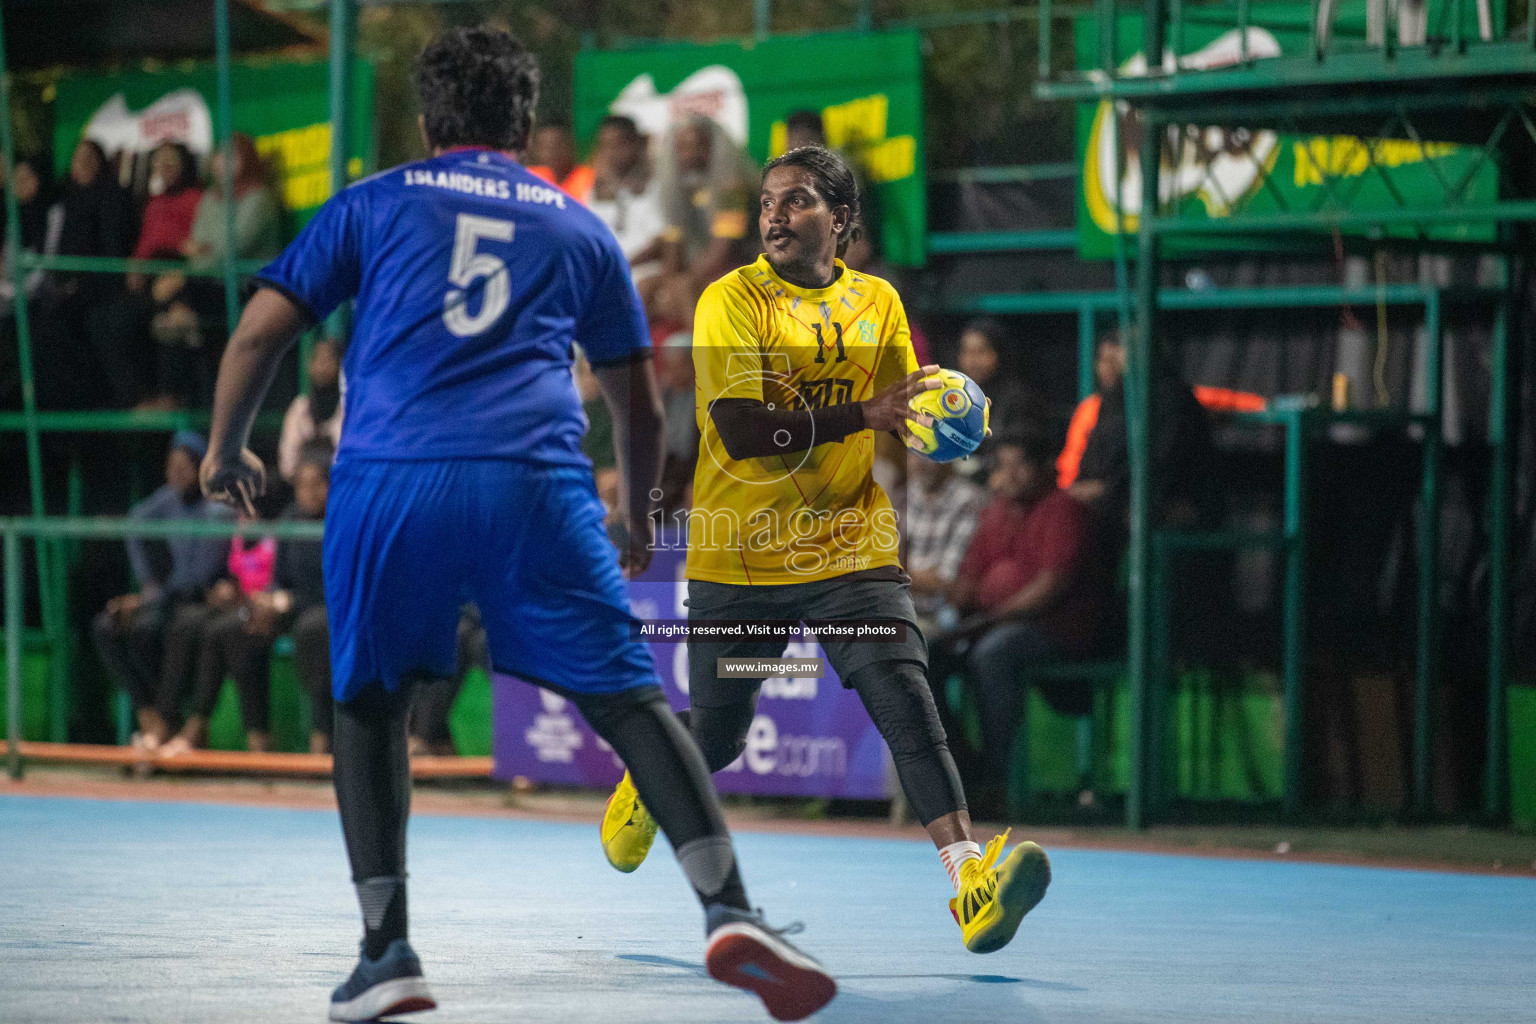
(960, 413)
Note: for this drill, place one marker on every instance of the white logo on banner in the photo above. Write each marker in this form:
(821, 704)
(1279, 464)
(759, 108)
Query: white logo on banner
(178, 116)
(714, 92)
(553, 735)
(769, 753)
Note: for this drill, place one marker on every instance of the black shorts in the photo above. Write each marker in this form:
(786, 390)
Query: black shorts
(835, 599)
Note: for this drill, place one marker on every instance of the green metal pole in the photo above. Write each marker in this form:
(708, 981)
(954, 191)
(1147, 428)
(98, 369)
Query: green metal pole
(18, 277)
(1122, 262)
(1495, 793)
(1085, 332)
(1145, 758)
(1043, 71)
(1104, 17)
(1154, 33)
(225, 124)
(52, 618)
(1294, 643)
(342, 28)
(13, 652)
(762, 17)
(1428, 558)
(60, 639)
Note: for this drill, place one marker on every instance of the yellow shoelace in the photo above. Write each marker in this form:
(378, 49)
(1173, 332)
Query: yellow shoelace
(980, 882)
(994, 850)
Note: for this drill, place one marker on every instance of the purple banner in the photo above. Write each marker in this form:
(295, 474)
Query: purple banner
(810, 738)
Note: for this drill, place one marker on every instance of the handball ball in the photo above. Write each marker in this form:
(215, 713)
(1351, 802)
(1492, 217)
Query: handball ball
(960, 413)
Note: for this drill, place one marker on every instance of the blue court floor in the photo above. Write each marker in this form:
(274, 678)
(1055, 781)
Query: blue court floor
(173, 913)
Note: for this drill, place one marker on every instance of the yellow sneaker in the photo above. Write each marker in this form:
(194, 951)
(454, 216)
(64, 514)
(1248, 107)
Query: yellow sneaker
(628, 828)
(993, 900)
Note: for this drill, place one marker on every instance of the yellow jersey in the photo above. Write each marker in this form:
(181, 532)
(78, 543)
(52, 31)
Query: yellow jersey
(808, 515)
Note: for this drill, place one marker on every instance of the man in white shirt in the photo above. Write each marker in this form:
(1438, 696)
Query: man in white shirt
(315, 415)
(937, 523)
(625, 194)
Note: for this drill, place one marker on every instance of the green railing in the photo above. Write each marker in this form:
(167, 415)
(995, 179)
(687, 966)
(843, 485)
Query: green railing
(33, 423)
(230, 269)
(1461, 37)
(1299, 422)
(41, 529)
(1443, 83)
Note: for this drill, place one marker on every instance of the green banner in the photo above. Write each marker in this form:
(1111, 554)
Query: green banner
(283, 105)
(868, 88)
(1211, 173)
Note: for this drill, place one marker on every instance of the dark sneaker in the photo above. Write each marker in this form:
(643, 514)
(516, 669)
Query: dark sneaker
(742, 950)
(384, 987)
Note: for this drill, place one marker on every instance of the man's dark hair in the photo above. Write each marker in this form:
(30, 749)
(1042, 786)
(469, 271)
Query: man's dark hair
(833, 181)
(625, 124)
(186, 176)
(1034, 445)
(994, 330)
(478, 87)
(805, 120)
(1108, 336)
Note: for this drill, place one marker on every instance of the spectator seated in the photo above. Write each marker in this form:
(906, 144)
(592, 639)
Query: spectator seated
(1030, 590)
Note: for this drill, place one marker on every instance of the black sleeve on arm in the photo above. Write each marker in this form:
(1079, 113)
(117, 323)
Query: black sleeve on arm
(751, 430)
(638, 355)
(308, 314)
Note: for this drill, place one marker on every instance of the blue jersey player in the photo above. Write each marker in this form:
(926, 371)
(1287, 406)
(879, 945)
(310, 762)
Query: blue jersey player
(459, 477)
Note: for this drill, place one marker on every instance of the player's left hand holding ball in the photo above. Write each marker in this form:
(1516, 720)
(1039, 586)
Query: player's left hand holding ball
(235, 482)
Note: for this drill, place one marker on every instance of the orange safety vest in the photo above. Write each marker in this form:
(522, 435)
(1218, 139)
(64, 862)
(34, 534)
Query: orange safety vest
(1227, 400)
(1084, 418)
(577, 184)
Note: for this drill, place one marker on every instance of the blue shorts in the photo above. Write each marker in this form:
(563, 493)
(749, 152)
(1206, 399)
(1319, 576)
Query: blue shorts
(407, 542)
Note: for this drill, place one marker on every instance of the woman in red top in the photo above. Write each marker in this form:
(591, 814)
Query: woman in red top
(173, 198)
(1028, 587)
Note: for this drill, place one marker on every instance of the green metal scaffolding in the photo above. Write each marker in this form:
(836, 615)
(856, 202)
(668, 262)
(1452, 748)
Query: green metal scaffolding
(1470, 91)
(49, 541)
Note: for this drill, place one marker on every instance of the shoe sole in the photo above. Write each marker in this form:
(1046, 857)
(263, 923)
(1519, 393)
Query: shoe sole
(608, 856)
(386, 999)
(791, 985)
(1018, 893)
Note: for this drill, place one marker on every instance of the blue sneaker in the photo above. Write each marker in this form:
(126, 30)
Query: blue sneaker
(743, 951)
(384, 987)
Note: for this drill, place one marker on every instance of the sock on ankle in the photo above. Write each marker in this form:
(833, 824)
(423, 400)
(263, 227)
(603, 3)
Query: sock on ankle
(956, 854)
(710, 864)
(383, 903)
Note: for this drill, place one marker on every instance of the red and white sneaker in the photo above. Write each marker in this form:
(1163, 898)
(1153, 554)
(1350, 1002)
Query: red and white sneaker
(743, 951)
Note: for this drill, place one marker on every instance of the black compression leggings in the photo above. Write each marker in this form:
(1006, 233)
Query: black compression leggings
(373, 785)
(899, 702)
(675, 787)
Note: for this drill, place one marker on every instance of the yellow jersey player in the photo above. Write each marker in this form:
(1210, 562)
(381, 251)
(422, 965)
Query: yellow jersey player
(799, 361)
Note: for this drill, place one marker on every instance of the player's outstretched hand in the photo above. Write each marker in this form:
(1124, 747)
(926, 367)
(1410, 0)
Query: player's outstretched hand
(237, 483)
(891, 408)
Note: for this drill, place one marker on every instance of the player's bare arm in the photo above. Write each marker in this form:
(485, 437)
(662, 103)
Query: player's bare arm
(231, 472)
(635, 401)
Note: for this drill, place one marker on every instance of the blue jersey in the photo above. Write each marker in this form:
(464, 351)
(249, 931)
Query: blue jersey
(472, 279)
